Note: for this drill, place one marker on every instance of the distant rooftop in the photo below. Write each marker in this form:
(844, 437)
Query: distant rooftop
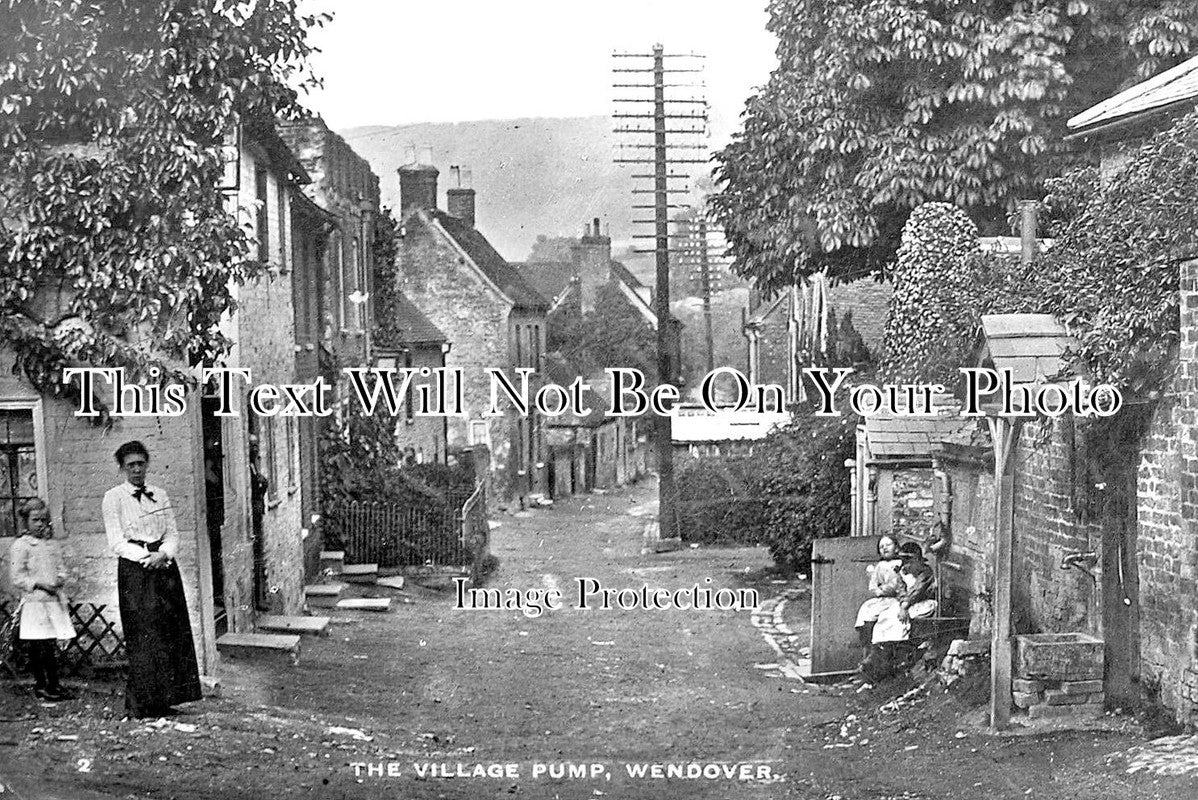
(1171, 87)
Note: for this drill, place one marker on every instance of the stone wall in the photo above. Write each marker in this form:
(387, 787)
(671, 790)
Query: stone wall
(967, 575)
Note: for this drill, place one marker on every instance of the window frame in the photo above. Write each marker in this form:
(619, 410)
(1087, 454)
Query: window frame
(35, 408)
(262, 211)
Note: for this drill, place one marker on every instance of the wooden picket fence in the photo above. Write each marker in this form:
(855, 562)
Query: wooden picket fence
(453, 534)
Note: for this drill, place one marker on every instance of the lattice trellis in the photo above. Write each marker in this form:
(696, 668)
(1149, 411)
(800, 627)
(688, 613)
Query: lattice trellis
(96, 644)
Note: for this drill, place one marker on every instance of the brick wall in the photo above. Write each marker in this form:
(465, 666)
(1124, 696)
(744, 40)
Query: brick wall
(1167, 511)
(1048, 524)
(79, 468)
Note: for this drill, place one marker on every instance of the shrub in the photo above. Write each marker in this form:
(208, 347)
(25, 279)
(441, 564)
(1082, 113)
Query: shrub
(793, 489)
(716, 504)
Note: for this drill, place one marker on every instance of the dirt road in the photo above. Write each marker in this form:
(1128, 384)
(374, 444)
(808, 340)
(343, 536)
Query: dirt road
(430, 701)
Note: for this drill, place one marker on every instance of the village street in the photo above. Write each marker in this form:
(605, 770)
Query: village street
(425, 683)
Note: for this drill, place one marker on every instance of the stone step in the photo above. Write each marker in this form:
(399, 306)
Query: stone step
(258, 645)
(332, 561)
(323, 595)
(312, 626)
(360, 573)
(392, 582)
(364, 604)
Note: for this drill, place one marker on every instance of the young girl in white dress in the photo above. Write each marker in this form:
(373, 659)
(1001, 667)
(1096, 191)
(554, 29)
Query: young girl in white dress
(38, 569)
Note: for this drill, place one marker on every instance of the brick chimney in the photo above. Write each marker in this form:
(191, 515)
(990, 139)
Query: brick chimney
(592, 262)
(417, 187)
(460, 204)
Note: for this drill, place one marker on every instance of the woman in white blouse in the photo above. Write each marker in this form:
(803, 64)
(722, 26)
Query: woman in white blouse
(140, 524)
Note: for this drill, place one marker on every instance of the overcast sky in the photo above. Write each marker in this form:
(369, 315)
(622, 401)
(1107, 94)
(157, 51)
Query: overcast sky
(399, 62)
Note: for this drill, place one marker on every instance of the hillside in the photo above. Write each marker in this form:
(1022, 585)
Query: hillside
(532, 176)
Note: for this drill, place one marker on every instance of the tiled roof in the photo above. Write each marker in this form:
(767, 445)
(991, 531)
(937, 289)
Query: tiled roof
(414, 327)
(548, 278)
(894, 435)
(487, 258)
(1171, 86)
(767, 309)
(975, 435)
(1031, 346)
(622, 273)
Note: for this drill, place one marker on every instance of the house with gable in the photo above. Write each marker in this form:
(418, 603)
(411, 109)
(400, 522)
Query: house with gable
(334, 319)
(238, 562)
(416, 343)
(491, 314)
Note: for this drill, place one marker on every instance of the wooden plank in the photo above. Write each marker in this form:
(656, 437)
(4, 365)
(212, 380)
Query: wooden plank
(312, 626)
(839, 586)
(1004, 433)
(364, 604)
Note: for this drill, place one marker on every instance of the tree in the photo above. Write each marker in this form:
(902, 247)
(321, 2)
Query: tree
(611, 335)
(876, 107)
(934, 309)
(116, 247)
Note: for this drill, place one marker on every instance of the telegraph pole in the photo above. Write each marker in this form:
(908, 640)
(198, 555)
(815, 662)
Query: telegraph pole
(663, 112)
(705, 279)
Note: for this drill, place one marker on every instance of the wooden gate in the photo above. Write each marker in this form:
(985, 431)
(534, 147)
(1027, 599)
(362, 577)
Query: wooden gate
(839, 585)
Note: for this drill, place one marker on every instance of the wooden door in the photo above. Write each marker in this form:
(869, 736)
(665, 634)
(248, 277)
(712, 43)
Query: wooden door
(839, 585)
(1120, 574)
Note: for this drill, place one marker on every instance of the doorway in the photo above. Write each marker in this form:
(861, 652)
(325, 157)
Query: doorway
(214, 504)
(259, 485)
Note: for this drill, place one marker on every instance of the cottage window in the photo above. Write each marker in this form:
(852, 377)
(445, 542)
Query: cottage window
(349, 280)
(478, 431)
(262, 228)
(519, 348)
(409, 412)
(360, 280)
(292, 437)
(18, 452)
(281, 199)
(270, 457)
(338, 257)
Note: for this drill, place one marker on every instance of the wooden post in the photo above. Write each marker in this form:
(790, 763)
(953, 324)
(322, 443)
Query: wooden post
(1003, 433)
(1028, 245)
(855, 500)
(666, 365)
(871, 502)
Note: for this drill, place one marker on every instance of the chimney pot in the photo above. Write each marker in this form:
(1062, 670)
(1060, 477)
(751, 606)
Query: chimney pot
(460, 203)
(417, 187)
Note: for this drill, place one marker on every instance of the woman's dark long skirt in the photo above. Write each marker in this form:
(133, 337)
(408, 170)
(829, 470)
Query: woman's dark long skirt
(162, 661)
